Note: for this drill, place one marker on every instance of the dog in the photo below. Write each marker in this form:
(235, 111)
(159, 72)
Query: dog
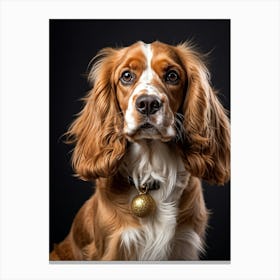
(151, 129)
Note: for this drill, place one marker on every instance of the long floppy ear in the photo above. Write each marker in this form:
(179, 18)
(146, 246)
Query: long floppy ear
(207, 151)
(96, 133)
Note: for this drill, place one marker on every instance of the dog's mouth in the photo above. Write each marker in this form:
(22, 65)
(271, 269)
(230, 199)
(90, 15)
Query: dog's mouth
(149, 130)
(146, 125)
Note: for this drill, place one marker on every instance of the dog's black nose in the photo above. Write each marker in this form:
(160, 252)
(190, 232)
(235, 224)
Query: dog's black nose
(148, 104)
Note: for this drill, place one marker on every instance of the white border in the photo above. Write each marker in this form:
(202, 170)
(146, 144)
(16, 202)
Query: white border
(255, 138)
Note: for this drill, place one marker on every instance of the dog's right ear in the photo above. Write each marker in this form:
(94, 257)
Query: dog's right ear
(96, 133)
(206, 152)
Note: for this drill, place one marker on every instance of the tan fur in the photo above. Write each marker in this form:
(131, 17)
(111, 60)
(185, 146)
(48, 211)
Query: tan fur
(207, 154)
(100, 146)
(192, 210)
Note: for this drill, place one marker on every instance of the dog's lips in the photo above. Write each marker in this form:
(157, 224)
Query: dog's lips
(149, 130)
(146, 125)
(145, 130)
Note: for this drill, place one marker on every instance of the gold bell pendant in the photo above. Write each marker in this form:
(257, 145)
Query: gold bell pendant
(143, 205)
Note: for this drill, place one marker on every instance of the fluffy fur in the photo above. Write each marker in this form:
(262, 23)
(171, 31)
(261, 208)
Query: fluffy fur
(153, 116)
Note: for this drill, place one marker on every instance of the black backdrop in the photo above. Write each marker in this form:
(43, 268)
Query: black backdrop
(72, 45)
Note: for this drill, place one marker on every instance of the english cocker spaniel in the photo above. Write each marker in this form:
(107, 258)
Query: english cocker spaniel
(152, 127)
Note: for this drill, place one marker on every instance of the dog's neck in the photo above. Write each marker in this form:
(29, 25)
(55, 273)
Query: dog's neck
(154, 162)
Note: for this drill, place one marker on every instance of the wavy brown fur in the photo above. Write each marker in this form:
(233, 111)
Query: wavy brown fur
(207, 151)
(96, 133)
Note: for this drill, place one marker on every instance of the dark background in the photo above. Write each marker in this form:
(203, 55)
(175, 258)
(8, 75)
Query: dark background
(72, 45)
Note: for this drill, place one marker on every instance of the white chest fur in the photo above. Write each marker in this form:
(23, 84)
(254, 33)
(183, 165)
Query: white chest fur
(145, 163)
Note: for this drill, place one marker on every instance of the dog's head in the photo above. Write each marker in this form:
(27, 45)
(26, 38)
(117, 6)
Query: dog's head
(151, 91)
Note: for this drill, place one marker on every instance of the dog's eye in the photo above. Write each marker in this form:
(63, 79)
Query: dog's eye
(172, 77)
(127, 77)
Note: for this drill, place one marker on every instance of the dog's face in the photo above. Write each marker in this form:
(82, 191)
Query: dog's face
(151, 91)
(150, 82)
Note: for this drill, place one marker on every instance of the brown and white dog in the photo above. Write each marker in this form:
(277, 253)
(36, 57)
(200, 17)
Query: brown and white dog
(151, 119)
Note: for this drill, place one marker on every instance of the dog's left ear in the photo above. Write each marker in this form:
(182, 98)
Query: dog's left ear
(206, 151)
(96, 133)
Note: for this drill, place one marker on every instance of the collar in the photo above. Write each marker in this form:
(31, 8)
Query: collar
(155, 185)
